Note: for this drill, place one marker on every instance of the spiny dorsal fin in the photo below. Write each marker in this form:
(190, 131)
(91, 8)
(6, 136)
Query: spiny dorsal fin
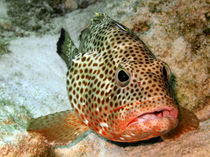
(99, 22)
(59, 128)
(66, 48)
(98, 19)
(187, 122)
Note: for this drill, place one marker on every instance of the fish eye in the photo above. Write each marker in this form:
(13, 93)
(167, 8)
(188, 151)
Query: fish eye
(123, 78)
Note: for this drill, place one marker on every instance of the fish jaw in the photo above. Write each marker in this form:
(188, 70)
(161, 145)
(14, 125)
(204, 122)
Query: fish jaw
(154, 123)
(141, 124)
(170, 113)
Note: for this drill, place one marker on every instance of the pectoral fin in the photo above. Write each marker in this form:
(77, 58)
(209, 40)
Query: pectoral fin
(59, 128)
(187, 122)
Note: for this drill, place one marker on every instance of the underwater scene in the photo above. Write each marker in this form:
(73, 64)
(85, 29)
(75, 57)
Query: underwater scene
(104, 78)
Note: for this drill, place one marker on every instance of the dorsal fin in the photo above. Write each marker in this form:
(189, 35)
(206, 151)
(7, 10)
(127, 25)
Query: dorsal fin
(98, 34)
(98, 22)
(66, 48)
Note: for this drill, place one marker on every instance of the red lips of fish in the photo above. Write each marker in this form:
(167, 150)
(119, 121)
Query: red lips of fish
(144, 120)
(156, 114)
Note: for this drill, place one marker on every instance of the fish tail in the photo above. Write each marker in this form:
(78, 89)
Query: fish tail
(59, 128)
(66, 48)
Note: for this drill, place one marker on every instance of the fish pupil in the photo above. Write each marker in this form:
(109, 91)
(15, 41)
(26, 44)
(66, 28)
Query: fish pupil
(122, 76)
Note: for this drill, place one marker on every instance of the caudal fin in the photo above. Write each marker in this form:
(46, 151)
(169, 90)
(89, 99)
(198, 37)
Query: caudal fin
(59, 128)
(66, 48)
(187, 122)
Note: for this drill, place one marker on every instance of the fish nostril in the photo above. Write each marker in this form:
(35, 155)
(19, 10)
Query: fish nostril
(139, 83)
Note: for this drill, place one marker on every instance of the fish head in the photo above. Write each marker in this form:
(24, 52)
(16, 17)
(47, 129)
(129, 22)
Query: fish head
(146, 107)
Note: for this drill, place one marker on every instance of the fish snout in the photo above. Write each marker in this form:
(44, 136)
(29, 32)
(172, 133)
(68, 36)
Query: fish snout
(144, 120)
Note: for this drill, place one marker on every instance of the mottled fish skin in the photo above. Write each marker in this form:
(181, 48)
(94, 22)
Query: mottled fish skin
(116, 87)
(116, 81)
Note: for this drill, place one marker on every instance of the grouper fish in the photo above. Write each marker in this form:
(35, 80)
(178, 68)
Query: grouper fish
(116, 87)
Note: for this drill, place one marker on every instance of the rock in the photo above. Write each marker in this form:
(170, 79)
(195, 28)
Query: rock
(71, 4)
(28, 145)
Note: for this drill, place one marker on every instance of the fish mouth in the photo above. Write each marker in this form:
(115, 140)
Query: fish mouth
(158, 114)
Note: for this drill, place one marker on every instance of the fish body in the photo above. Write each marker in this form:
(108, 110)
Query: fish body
(116, 87)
